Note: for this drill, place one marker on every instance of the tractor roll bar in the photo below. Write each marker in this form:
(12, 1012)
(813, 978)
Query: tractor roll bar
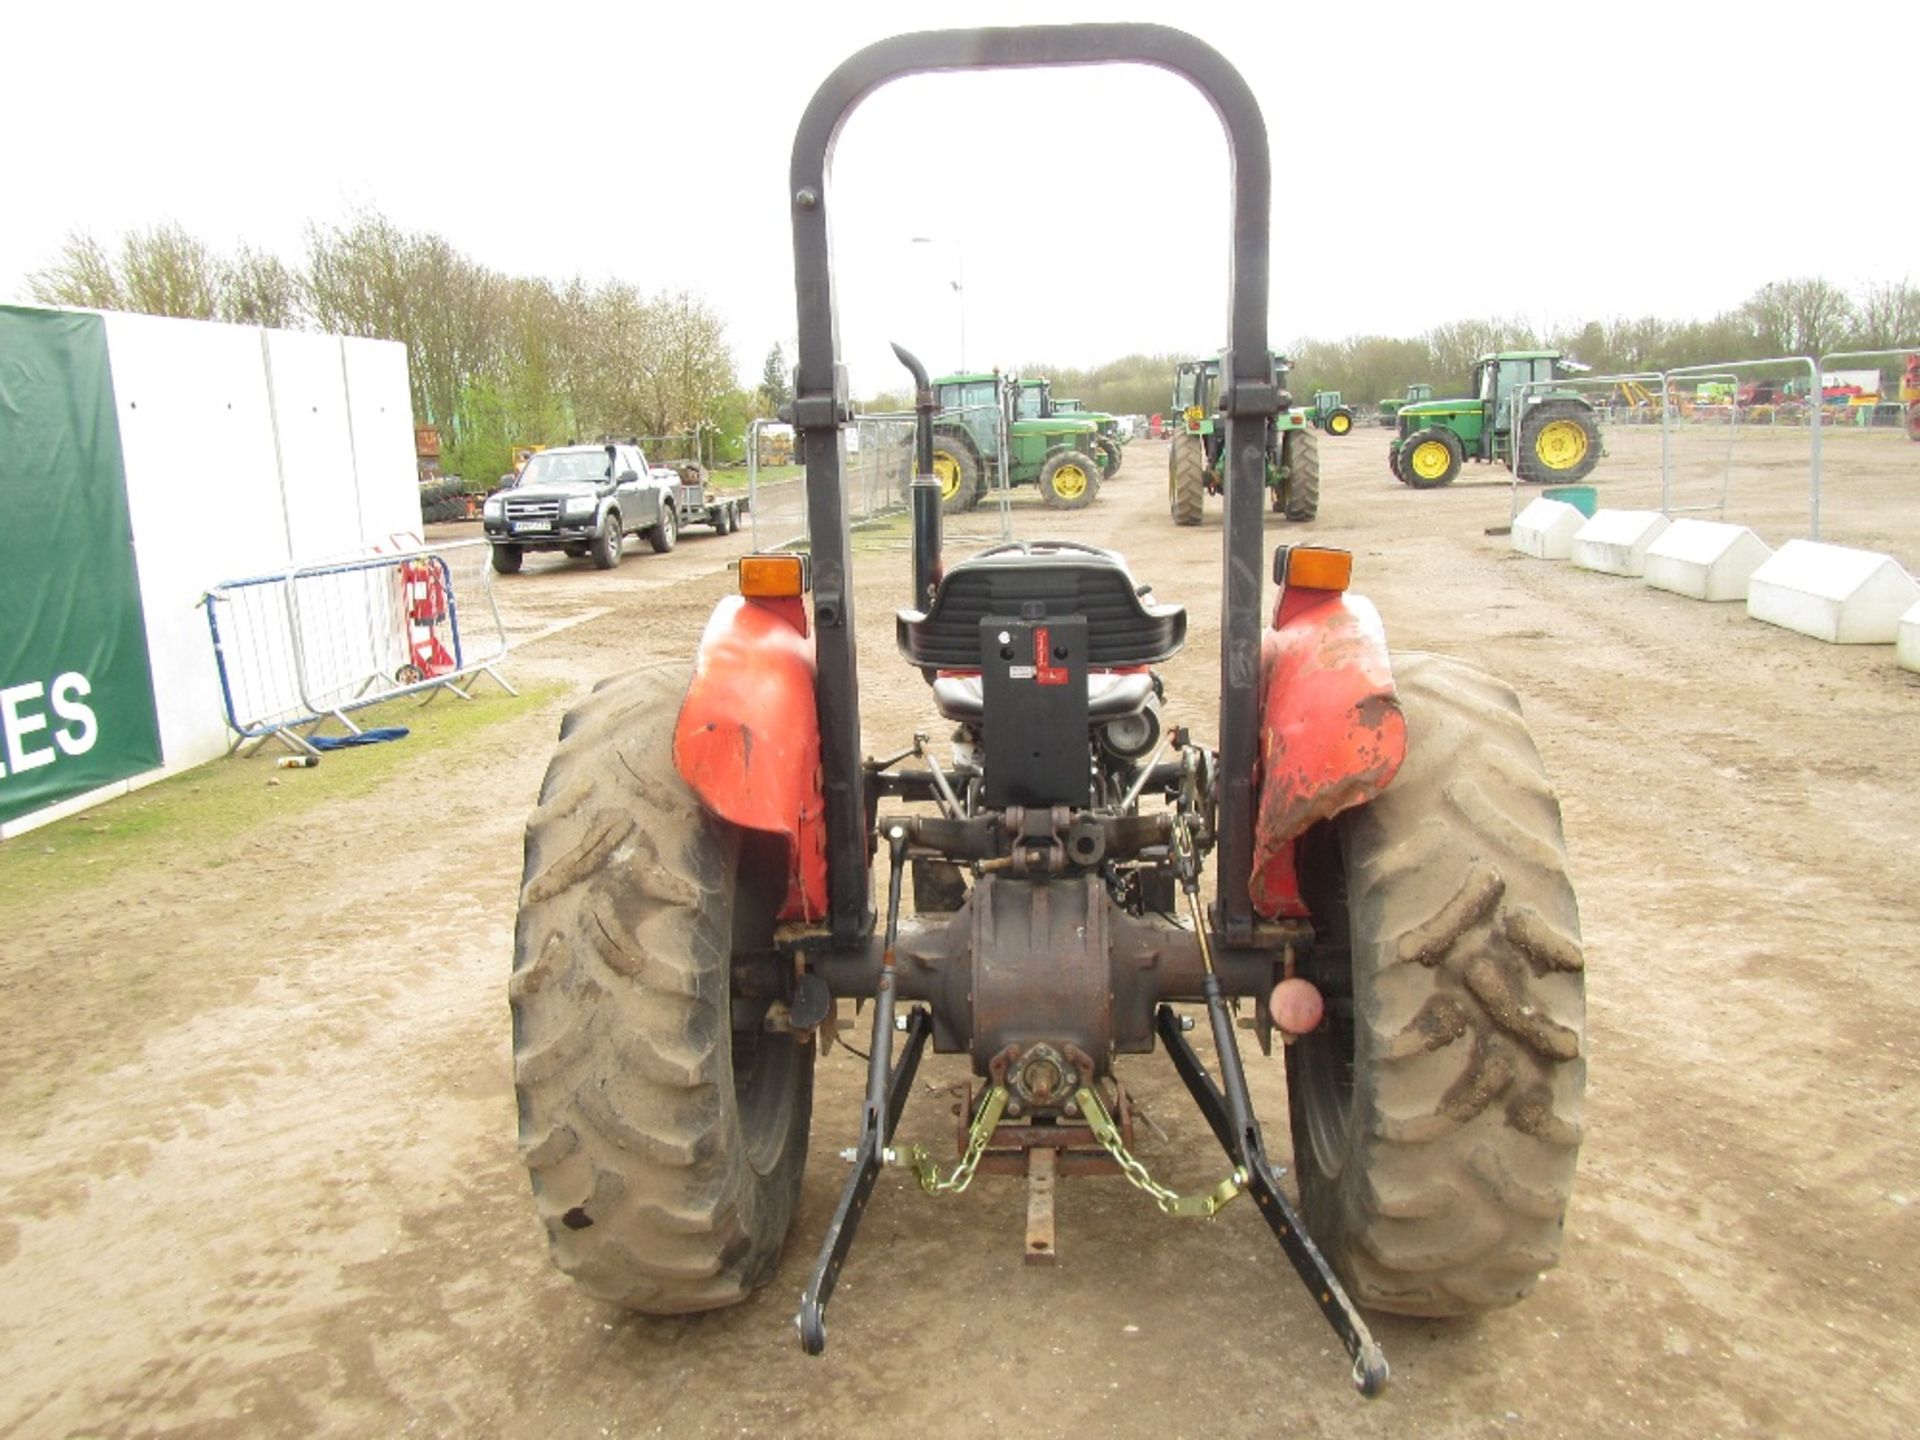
(1249, 400)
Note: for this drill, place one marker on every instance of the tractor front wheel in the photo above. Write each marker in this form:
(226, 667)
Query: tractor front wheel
(1069, 480)
(1300, 454)
(1437, 1110)
(1559, 443)
(1187, 478)
(1340, 421)
(1430, 459)
(1109, 456)
(663, 1125)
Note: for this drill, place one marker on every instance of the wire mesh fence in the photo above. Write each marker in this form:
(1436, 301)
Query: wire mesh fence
(314, 643)
(876, 468)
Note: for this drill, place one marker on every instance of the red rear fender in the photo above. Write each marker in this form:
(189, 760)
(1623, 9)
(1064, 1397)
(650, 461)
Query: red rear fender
(748, 738)
(1331, 731)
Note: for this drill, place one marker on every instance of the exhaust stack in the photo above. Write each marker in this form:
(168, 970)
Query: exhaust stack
(924, 493)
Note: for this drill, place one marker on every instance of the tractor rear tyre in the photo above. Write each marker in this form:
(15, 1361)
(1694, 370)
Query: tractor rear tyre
(1913, 420)
(1393, 464)
(1108, 454)
(1069, 480)
(1437, 1112)
(1559, 443)
(1187, 478)
(1300, 454)
(957, 468)
(664, 1128)
(1430, 459)
(507, 559)
(1340, 421)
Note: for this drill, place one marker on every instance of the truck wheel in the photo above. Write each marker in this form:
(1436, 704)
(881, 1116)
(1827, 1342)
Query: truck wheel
(607, 542)
(1300, 453)
(957, 469)
(507, 559)
(1187, 478)
(1069, 480)
(1430, 459)
(723, 521)
(665, 530)
(1109, 456)
(1340, 421)
(1559, 442)
(663, 1127)
(1437, 1112)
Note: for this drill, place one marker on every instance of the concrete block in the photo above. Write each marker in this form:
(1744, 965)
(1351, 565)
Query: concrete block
(1907, 640)
(1705, 560)
(1545, 529)
(1615, 542)
(1833, 593)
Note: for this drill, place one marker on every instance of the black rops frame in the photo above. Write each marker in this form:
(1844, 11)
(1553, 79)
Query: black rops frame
(1248, 399)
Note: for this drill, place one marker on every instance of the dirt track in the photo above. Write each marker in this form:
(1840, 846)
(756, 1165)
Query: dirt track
(258, 1174)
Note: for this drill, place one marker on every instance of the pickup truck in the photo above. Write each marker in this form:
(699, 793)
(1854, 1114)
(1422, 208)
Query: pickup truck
(583, 500)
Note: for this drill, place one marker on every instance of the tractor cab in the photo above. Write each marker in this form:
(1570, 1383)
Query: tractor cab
(973, 402)
(1497, 377)
(1032, 399)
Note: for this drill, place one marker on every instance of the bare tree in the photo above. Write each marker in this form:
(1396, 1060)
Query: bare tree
(1889, 316)
(1799, 317)
(166, 271)
(1457, 345)
(258, 289)
(81, 275)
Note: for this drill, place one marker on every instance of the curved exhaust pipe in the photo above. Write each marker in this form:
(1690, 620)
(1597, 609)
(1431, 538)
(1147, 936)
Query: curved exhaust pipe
(924, 492)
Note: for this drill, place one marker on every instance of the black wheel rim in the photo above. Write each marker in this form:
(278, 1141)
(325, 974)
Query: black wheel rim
(1324, 1060)
(763, 1093)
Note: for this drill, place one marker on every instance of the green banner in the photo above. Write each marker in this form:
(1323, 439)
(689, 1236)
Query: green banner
(76, 691)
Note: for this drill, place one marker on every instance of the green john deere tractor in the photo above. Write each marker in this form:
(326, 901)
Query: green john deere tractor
(1034, 401)
(1555, 438)
(1329, 414)
(1194, 463)
(1390, 407)
(1055, 454)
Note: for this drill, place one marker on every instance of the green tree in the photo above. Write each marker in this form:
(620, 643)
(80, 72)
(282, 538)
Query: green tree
(775, 388)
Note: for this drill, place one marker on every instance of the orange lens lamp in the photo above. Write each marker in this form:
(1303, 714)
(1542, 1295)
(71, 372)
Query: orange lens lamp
(1312, 567)
(771, 577)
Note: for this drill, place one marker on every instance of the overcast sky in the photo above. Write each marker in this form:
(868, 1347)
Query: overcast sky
(1431, 162)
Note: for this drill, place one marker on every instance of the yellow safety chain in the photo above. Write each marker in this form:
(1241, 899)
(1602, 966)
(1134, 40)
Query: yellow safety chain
(927, 1170)
(1206, 1204)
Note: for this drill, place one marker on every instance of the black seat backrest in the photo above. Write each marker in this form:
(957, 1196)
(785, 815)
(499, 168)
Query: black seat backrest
(1037, 581)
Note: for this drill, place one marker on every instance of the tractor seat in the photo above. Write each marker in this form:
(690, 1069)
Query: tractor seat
(1042, 580)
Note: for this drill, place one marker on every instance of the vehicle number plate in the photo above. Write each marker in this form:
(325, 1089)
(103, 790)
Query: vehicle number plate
(521, 527)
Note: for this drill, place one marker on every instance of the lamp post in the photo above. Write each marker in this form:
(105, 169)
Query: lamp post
(958, 284)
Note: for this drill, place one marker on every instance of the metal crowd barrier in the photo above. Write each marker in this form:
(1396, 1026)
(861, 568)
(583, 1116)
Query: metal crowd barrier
(316, 642)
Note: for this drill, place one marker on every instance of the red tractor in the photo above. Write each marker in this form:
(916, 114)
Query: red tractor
(1370, 855)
